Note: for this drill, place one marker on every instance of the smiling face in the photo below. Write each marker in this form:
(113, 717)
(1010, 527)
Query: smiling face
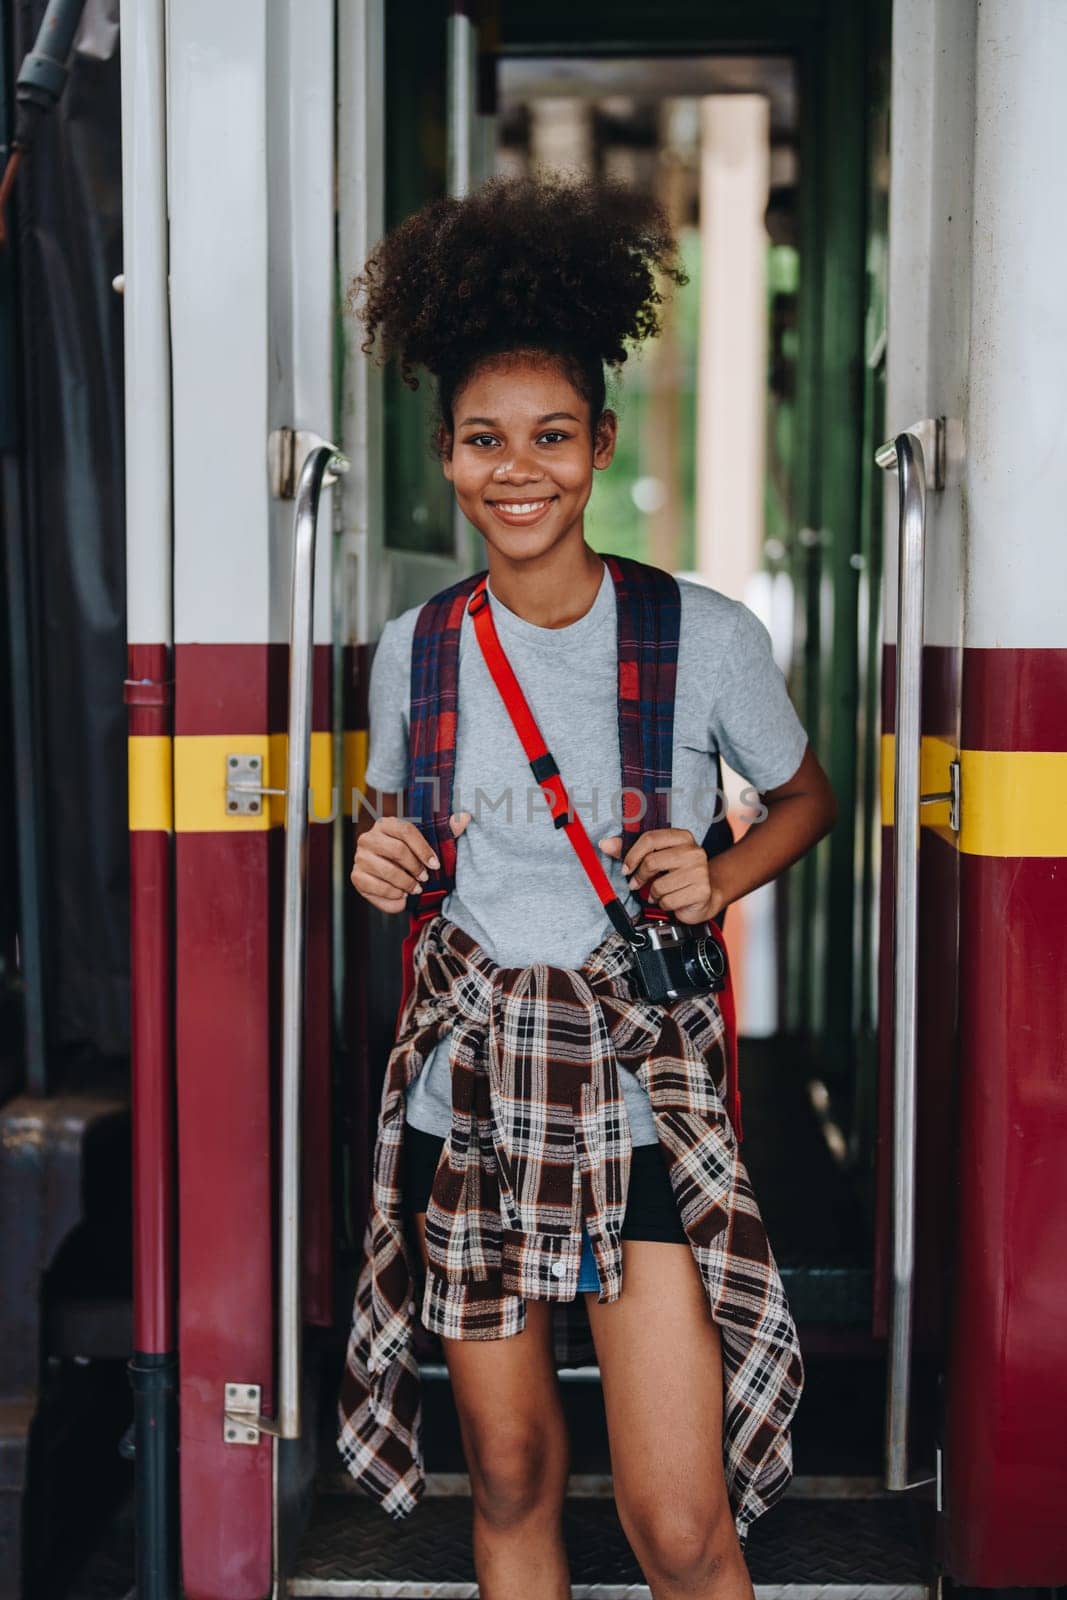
(523, 454)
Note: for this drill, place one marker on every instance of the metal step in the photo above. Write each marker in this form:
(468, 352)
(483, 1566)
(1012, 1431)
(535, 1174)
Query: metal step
(598, 1485)
(803, 1549)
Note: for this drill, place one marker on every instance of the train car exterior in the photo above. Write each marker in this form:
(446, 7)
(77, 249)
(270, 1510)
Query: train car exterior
(265, 149)
(974, 347)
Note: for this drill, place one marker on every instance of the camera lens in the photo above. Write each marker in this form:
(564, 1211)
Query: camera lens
(704, 962)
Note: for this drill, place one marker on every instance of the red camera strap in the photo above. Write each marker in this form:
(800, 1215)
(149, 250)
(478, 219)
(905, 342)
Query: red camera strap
(543, 765)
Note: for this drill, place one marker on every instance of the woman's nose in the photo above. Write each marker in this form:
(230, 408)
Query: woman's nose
(517, 470)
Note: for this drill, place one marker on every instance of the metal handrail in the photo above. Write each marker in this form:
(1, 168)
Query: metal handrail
(321, 464)
(907, 455)
(462, 58)
(319, 461)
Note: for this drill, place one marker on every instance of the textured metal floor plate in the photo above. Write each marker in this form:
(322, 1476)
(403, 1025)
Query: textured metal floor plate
(598, 1485)
(802, 1550)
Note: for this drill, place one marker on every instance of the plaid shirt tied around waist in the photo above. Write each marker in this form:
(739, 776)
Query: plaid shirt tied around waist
(540, 1142)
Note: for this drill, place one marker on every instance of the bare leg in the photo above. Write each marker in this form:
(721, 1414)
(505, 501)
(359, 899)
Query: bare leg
(661, 1366)
(515, 1442)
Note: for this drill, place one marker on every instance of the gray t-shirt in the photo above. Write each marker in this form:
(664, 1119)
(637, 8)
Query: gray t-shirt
(520, 890)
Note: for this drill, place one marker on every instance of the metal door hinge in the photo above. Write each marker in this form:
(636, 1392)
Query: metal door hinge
(244, 791)
(240, 1417)
(287, 450)
(951, 795)
(241, 1420)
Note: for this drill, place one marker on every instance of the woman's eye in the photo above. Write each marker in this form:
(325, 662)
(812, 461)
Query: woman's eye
(553, 435)
(481, 438)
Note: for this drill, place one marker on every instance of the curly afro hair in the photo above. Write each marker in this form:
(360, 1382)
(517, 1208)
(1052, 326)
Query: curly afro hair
(562, 265)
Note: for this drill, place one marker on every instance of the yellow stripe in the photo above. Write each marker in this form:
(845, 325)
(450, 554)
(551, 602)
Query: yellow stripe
(1011, 801)
(200, 780)
(151, 783)
(321, 777)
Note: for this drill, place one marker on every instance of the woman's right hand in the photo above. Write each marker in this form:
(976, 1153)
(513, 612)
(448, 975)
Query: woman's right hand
(392, 860)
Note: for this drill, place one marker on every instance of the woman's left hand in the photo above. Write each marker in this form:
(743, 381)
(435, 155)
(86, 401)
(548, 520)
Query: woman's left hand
(681, 876)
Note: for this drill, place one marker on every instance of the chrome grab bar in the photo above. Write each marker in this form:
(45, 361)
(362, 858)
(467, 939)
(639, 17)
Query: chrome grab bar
(462, 58)
(297, 778)
(320, 464)
(907, 454)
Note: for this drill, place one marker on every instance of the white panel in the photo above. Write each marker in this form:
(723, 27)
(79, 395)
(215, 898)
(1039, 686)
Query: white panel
(218, 255)
(146, 327)
(251, 157)
(300, 154)
(1016, 472)
(932, 120)
(908, 308)
(364, 597)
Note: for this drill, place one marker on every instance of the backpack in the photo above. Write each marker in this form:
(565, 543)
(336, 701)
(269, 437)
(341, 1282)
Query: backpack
(648, 611)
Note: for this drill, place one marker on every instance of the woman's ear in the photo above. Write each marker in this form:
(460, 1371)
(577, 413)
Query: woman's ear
(605, 435)
(444, 450)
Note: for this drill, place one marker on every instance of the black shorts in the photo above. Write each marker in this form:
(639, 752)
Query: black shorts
(651, 1209)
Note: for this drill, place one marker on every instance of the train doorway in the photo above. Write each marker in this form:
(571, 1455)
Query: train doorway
(764, 130)
(771, 362)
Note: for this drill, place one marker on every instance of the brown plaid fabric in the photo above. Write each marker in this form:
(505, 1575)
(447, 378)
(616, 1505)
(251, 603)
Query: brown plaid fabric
(539, 1141)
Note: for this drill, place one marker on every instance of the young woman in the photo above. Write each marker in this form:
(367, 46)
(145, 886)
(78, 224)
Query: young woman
(514, 299)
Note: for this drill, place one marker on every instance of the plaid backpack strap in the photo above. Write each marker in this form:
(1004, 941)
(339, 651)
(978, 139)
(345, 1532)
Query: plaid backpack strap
(648, 611)
(649, 617)
(432, 730)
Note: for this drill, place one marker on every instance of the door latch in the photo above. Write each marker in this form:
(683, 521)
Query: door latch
(244, 791)
(951, 795)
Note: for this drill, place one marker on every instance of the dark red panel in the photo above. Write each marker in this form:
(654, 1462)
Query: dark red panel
(942, 676)
(226, 1317)
(356, 662)
(321, 688)
(889, 688)
(244, 688)
(883, 1157)
(1006, 1463)
(321, 676)
(935, 1128)
(226, 688)
(152, 1055)
(149, 695)
(318, 1225)
(935, 1134)
(365, 1040)
(1015, 700)
(149, 688)
(229, 1010)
